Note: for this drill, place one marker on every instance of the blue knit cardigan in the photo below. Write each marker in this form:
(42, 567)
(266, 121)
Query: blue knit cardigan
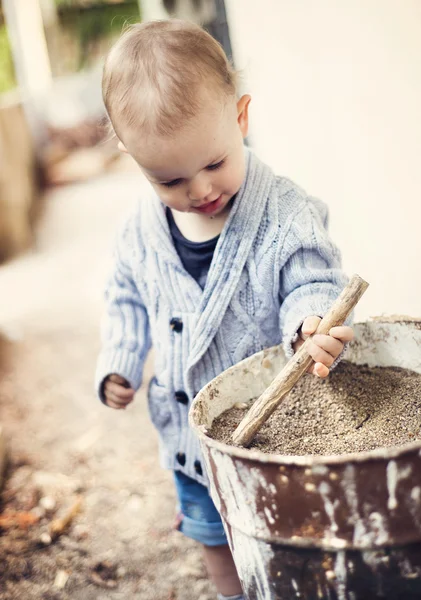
(273, 266)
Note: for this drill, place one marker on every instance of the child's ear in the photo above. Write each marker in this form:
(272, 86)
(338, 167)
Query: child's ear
(121, 147)
(243, 114)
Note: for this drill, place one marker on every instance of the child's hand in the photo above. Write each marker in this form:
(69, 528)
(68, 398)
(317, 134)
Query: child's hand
(324, 349)
(117, 391)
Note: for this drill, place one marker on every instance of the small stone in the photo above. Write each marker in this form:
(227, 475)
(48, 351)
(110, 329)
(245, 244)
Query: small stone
(241, 405)
(45, 539)
(61, 579)
(48, 503)
(121, 572)
(38, 512)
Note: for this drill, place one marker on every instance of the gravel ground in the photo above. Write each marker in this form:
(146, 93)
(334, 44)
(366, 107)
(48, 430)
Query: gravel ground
(66, 449)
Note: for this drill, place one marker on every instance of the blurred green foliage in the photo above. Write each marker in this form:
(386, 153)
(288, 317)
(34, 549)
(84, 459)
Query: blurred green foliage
(88, 3)
(92, 22)
(7, 76)
(87, 21)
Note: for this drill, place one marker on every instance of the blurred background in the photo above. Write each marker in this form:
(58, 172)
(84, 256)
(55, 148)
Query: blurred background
(336, 97)
(336, 93)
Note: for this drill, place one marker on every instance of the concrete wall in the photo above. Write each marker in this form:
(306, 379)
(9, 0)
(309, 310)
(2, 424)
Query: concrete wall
(336, 90)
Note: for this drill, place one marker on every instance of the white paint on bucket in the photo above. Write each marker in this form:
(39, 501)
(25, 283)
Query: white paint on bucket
(319, 470)
(272, 489)
(212, 488)
(340, 572)
(393, 476)
(366, 532)
(239, 488)
(416, 494)
(296, 588)
(414, 506)
(330, 507)
(378, 527)
(392, 480)
(269, 516)
(252, 558)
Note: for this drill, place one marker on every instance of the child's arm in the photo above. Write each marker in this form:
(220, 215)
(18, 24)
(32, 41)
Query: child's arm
(311, 279)
(125, 329)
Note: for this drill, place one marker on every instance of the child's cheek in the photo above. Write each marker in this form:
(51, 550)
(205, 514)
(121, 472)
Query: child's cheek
(234, 181)
(226, 182)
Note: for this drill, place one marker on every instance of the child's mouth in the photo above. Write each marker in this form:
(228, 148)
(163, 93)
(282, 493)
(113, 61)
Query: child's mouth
(211, 206)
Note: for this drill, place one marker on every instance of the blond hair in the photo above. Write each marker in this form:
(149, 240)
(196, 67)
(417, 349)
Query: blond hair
(154, 74)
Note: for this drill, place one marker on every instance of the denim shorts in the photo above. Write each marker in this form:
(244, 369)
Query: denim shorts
(198, 518)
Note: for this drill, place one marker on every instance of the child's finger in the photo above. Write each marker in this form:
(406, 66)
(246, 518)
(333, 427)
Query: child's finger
(119, 390)
(116, 399)
(113, 404)
(118, 379)
(332, 345)
(321, 370)
(319, 355)
(343, 333)
(309, 326)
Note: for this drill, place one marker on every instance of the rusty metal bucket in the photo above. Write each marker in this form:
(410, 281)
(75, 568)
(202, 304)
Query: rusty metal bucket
(344, 527)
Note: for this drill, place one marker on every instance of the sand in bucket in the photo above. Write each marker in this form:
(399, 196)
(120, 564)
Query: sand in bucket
(357, 408)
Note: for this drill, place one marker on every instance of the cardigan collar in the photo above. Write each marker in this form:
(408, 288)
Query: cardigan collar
(230, 255)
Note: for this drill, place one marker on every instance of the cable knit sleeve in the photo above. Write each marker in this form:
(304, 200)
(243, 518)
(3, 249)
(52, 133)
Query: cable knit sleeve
(125, 327)
(311, 277)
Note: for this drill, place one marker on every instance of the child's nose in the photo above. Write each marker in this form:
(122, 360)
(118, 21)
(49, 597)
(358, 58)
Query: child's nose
(200, 188)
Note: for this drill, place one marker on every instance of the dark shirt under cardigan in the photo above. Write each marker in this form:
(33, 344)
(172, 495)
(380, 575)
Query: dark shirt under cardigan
(195, 256)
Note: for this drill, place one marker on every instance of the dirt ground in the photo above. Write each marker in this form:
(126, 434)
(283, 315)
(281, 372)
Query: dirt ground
(65, 448)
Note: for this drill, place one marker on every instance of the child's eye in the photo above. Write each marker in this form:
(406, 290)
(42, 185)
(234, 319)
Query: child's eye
(216, 166)
(172, 183)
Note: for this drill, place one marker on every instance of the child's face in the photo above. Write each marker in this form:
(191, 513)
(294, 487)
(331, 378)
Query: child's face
(202, 167)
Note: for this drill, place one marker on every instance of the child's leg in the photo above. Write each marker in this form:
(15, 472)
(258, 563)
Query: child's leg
(200, 521)
(221, 570)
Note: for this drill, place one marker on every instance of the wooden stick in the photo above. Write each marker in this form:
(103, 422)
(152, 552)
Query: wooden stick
(264, 406)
